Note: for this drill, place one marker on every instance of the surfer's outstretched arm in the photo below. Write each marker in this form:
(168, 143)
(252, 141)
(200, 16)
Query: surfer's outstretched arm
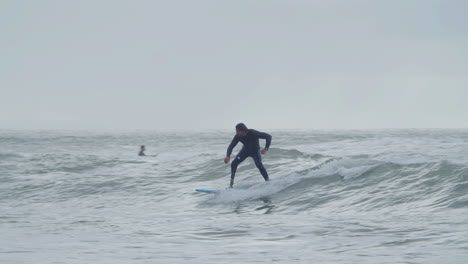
(234, 142)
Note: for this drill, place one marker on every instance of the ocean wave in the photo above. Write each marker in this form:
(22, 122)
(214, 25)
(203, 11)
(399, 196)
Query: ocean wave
(9, 155)
(301, 180)
(277, 153)
(362, 185)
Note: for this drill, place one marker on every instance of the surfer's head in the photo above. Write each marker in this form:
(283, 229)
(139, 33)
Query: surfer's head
(142, 147)
(241, 129)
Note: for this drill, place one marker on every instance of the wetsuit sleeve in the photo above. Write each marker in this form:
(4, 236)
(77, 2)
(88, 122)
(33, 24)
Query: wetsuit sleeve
(265, 136)
(234, 142)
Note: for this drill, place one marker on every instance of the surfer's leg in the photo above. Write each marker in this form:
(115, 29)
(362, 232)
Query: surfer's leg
(258, 162)
(239, 158)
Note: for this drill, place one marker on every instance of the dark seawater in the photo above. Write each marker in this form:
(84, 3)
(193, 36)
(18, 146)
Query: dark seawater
(397, 196)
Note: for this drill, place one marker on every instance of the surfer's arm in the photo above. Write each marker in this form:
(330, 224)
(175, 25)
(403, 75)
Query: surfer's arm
(234, 142)
(265, 136)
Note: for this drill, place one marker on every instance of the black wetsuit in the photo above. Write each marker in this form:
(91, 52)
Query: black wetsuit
(251, 148)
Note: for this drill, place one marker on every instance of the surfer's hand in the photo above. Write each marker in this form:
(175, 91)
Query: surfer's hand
(227, 159)
(264, 151)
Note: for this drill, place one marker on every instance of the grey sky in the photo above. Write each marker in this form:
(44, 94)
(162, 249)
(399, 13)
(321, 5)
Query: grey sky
(210, 64)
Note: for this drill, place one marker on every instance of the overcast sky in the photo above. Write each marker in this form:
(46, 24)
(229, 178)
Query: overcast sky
(97, 64)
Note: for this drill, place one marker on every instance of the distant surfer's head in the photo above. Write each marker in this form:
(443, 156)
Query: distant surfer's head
(142, 147)
(241, 129)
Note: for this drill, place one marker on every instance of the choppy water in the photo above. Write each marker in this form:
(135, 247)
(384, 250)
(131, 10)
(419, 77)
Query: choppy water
(335, 197)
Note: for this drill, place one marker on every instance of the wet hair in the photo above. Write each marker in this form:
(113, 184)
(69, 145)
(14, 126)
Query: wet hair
(241, 126)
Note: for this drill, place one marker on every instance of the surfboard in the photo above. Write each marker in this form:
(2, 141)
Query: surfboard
(217, 191)
(206, 191)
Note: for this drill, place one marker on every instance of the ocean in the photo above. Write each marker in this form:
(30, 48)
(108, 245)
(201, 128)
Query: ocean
(335, 196)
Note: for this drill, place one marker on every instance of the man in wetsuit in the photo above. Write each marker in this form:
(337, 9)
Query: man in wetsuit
(142, 151)
(251, 148)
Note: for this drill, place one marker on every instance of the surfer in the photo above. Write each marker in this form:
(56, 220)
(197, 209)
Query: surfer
(251, 148)
(142, 151)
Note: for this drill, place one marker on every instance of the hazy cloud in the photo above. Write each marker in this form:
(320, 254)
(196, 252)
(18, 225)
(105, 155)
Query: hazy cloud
(209, 64)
